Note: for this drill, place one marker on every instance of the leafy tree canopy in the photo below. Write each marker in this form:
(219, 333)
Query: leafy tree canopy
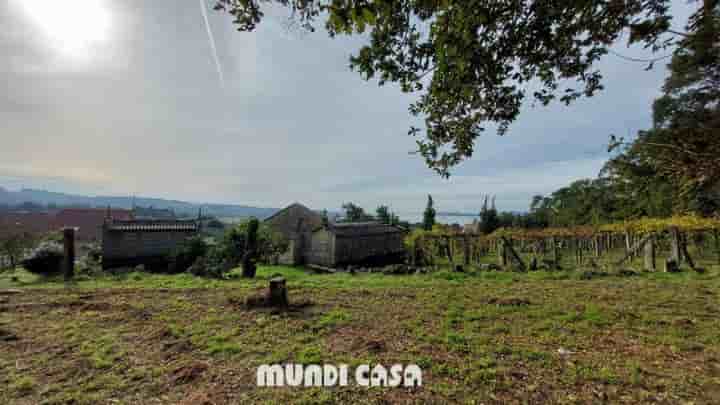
(475, 62)
(680, 155)
(355, 213)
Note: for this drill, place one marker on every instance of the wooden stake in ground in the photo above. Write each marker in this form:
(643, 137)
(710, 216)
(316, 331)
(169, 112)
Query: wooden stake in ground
(649, 254)
(501, 252)
(509, 250)
(466, 250)
(684, 252)
(448, 250)
(675, 253)
(69, 250)
(635, 249)
(554, 250)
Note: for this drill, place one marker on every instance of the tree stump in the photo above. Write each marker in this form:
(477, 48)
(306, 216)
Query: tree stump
(277, 293)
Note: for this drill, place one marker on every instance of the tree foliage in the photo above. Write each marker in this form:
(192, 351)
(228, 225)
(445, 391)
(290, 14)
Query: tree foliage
(474, 63)
(680, 155)
(489, 220)
(385, 216)
(250, 239)
(429, 215)
(355, 213)
(14, 246)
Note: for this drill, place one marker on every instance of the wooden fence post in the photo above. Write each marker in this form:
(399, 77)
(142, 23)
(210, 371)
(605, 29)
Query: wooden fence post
(466, 250)
(510, 251)
(501, 252)
(650, 254)
(448, 250)
(627, 242)
(684, 252)
(675, 253)
(635, 249)
(69, 250)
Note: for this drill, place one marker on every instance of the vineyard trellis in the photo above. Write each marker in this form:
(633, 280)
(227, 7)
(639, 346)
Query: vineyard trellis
(616, 243)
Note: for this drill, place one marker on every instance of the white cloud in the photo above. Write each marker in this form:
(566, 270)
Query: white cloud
(292, 124)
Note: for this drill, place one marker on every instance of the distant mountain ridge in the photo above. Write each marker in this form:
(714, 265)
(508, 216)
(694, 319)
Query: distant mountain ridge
(180, 207)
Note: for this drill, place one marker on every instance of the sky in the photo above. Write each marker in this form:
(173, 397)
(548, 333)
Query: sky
(102, 97)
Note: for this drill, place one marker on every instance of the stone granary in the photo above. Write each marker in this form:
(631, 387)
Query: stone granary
(311, 241)
(148, 242)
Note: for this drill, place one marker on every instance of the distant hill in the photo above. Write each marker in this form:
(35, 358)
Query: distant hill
(180, 207)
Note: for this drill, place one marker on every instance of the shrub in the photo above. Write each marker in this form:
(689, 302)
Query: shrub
(13, 247)
(187, 254)
(268, 243)
(45, 259)
(211, 264)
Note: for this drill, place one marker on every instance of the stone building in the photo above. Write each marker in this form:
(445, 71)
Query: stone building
(296, 223)
(356, 243)
(148, 242)
(334, 244)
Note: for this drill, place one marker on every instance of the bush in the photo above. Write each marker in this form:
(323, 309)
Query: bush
(267, 245)
(211, 264)
(12, 249)
(187, 254)
(45, 259)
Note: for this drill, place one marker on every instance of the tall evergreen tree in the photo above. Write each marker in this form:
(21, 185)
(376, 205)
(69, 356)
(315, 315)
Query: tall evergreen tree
(489, 220)
(429, 215)
(681, 153)
(324, 218)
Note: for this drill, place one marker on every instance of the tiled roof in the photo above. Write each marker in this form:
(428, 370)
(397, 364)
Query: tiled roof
(153, 226)
(362, 229)
(303, 209)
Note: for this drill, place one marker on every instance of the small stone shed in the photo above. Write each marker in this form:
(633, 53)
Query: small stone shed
(148, 242)
(296, 223)
(356, 243)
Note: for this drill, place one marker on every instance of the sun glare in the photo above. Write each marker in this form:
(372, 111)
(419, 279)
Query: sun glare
(71, 27)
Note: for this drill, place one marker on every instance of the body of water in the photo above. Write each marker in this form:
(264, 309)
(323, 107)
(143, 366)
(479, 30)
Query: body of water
(414, 217)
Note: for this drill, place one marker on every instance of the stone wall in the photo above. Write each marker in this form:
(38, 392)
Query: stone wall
(321, 248)
(121, 248)
(295, 223)
(361, 248)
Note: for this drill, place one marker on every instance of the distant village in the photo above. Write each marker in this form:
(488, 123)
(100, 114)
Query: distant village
(147, 235)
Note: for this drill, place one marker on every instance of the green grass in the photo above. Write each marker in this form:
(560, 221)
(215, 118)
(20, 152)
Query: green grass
(488, 337)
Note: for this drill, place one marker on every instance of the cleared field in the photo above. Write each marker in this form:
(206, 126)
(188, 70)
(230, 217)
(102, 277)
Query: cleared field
(479, 337)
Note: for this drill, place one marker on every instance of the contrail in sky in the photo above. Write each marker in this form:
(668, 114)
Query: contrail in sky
(212, 43)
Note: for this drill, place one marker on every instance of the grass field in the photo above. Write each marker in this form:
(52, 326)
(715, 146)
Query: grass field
(488, 337)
